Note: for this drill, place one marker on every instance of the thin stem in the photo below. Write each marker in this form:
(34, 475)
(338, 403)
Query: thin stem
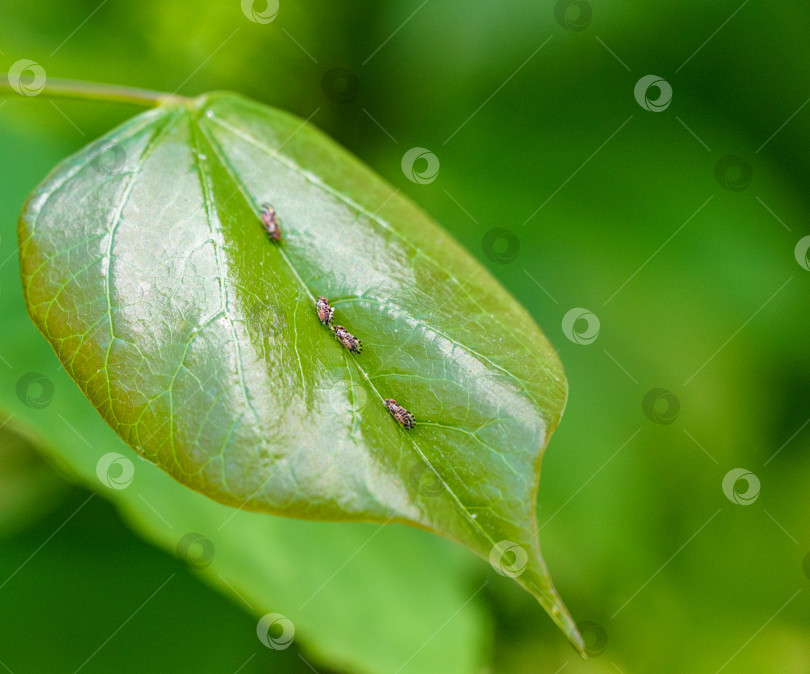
(94, 91)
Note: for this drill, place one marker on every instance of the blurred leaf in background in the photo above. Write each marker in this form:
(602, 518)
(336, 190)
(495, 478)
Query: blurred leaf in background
(94, 592)
(29, 487)
(578, 195)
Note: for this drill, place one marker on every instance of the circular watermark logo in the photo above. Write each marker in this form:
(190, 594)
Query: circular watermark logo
(656, 100)
(508, 559)
(731, 486)
(264, 16)
(420, 165)
(733, 173)
(35, 390)
(340, 85)
(195, 550)
(594, 636)
(500, 245)
(425, 480)
(27, 77)
(115, 471)
(573, 15)
(800, 252)
(275, 631)
(349, 397)
(580, 326)
(661, 406)
(110, 159)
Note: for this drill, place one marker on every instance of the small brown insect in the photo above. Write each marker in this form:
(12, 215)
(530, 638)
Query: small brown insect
(404, 417)
(348, 339)
(325, 312)
(271, 222)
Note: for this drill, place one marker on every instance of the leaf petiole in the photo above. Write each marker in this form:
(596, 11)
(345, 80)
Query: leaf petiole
(96, 91)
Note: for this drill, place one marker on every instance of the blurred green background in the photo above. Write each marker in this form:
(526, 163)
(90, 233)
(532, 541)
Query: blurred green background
(575, 195)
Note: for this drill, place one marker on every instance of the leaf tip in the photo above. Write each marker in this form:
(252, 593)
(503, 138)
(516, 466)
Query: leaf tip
(566, 623)
(545, 593)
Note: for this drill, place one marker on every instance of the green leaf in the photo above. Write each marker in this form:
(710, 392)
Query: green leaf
(29, 487)
(145, 265)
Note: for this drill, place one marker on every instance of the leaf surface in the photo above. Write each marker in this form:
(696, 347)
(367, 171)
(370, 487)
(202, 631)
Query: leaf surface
(145, 265)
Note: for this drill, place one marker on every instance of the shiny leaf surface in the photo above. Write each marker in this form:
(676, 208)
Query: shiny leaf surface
(146, 266)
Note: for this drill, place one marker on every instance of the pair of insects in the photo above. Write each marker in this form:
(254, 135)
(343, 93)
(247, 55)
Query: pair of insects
(326, 313)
